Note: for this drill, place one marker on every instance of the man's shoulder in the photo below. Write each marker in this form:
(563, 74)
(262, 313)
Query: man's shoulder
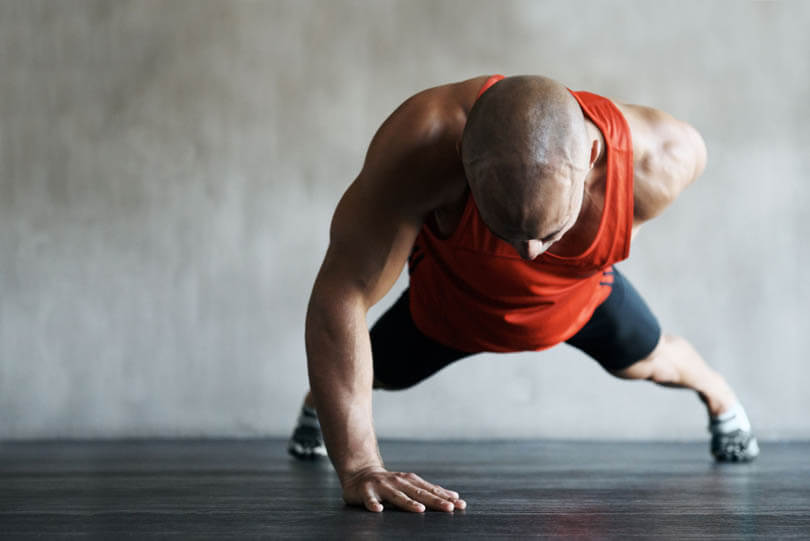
(428, 118)
(416, 147)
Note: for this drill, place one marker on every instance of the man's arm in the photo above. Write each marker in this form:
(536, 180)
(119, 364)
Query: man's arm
(372, 232)
(669, 155)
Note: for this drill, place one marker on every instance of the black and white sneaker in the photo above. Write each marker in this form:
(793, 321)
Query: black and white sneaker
(306, 442)
(736, 446)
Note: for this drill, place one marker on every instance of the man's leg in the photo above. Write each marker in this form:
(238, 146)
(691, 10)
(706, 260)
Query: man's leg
(625, 338)
(402, 356)
(675, 363)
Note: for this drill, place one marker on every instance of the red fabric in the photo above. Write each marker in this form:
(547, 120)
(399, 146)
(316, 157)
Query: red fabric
(488, 83)
(473, 292)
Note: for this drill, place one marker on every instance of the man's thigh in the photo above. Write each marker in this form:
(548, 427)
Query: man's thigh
(403, 356)
(622, 330)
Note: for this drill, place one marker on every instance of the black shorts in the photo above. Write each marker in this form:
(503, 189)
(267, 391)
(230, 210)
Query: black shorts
(621, 331)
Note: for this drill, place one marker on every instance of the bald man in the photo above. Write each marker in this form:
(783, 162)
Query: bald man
(510, 199)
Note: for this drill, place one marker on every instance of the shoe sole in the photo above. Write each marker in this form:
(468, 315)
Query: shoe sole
(302, 452)
(747, 454)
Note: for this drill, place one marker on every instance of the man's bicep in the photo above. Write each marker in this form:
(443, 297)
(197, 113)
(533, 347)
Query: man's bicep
(371, 237)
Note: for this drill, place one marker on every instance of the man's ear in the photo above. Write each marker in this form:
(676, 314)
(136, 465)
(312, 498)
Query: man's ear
(594, 153)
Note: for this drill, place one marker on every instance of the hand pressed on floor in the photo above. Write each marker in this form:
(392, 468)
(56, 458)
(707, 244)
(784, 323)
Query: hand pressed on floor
(374, 486)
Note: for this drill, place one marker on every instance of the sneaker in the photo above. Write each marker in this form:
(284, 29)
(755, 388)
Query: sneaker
(306, 442)
(736, 446)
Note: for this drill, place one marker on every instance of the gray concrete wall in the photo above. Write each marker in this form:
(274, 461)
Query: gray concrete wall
(168, 171)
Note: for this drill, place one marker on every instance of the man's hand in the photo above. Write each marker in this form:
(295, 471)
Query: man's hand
(371, 487)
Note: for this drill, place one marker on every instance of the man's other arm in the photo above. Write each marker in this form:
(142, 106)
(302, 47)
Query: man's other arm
(670, 155)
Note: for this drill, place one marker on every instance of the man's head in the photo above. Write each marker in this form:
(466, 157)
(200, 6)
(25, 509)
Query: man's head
(526, 154)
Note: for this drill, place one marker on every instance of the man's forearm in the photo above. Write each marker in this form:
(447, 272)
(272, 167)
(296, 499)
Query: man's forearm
(341, 376)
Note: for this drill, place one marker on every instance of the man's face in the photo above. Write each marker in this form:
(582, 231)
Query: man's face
(533, 224)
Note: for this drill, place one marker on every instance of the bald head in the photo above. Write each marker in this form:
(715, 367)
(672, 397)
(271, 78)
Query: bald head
(526, 152)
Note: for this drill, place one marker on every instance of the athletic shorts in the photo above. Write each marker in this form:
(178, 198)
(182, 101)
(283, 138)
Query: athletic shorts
(621, 332)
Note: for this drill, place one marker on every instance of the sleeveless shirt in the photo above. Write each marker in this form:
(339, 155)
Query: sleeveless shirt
(472, 291)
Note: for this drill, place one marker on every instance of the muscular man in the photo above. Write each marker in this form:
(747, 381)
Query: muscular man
(514, 197)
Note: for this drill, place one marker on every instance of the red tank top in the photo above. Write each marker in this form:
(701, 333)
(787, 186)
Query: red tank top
(473, 292)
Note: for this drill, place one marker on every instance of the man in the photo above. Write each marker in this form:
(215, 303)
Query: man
(513, 198)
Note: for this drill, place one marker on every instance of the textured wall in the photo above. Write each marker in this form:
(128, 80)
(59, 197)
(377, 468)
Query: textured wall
(168, 171)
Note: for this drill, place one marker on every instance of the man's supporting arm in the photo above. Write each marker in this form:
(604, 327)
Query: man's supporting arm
(372, 233)
(358, 270)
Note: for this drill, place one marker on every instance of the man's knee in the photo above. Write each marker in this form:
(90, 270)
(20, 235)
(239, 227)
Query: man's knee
(653, 367)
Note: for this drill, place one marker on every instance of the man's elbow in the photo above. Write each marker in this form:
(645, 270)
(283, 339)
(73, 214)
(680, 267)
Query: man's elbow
(699, 151)
(686, 161)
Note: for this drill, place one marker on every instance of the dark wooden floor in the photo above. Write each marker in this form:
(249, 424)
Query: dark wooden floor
(548, 489)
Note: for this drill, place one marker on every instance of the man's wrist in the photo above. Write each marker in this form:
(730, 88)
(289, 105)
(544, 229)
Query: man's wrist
(348, 474)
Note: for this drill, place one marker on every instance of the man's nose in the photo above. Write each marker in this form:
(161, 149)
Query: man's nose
(530, 249)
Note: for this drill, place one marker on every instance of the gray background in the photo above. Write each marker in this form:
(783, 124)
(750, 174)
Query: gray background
(168, 171)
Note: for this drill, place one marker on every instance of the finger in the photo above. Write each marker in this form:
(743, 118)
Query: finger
(426, 497)
(434, 489)
(372, 503)
(401, 500)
